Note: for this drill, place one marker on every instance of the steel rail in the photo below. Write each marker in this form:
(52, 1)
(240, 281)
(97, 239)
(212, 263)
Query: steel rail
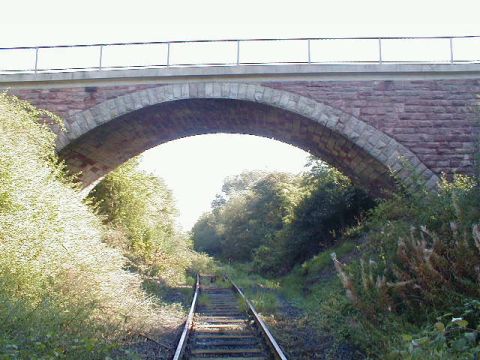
(102, 47)
(270, 340)
(188, 324)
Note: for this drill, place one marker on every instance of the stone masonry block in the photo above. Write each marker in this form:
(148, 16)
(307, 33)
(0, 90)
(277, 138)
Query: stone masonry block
(225, 93)
(242, 91)
(74, 131)
(185, 91)
(193, 90)
(177, 91)
(217, 90)
(209, 90)
(233, 88)
(251, 89)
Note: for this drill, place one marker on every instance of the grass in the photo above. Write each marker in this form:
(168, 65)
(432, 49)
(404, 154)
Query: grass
(242, 304)
(303, 278)
(323, 260)
(204, 300)
(265, 303)
(220, 282)
(416, 275)
(261, 292)
(243, 276)
(315, 288)
(180, 295)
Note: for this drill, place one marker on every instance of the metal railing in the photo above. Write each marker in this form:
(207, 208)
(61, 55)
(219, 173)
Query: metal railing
(235, 52)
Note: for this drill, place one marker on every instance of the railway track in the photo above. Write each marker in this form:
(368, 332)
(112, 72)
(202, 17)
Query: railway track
(222, 324)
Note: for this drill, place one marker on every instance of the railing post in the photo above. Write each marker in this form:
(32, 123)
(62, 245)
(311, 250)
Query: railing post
(35, 69)
(380, 60)
(101, 56)
(309, 52)
(451, 50)
(238, 52)
(168, 54)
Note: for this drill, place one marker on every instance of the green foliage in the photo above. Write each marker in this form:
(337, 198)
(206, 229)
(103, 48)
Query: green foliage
(258, 290)
(424, 249)
(251, 210)
(265, 303)
(314, 288)
(455, 335)
(320, 262)
(139, 203)
(330, 204)
(278, 220)
(246, 278)
(420, 262)
(63, 292)
(205, 234)
(139, 210)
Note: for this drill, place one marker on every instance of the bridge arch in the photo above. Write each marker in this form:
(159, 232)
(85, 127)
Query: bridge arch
(102, 137)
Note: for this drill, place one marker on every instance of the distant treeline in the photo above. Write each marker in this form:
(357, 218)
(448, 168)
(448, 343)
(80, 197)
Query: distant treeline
(277, 220)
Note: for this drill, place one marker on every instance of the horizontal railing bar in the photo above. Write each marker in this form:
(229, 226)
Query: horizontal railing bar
(236, 40)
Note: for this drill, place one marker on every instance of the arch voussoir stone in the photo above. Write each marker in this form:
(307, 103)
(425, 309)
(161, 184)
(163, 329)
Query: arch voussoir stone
(354, 132)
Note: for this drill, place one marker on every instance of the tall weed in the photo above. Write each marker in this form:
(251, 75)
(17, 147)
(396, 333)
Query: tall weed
(421, 260)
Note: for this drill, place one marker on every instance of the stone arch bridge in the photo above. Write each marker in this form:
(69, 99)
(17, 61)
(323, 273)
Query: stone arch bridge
(366, 120)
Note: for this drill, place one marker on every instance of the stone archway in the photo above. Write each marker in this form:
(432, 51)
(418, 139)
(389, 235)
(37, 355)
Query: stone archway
(102, 137)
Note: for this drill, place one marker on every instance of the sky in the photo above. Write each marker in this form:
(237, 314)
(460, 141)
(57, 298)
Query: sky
(88, 21)
(194, 168)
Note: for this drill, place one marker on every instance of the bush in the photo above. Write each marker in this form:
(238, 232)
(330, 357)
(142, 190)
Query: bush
(452, 336)
(329, 205)
(64, 292)
(140, 213)
(421, 260)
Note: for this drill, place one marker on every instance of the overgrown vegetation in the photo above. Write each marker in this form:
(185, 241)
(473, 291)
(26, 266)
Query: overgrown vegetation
(409, 289)
(408, 271)
(420, 266)
(140, 214)
(277, 220)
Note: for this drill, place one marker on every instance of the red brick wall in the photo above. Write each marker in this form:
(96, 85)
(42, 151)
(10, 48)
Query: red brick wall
(436, 120)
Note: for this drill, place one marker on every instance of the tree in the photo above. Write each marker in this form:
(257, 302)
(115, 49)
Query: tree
(206, 235)
(141, 206)
(278, 220)
(253, 207)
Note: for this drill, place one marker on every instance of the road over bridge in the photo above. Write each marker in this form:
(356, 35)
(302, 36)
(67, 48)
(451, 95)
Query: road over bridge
(365, 119)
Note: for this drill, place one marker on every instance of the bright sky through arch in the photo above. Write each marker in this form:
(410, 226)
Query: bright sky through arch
(195, 167)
